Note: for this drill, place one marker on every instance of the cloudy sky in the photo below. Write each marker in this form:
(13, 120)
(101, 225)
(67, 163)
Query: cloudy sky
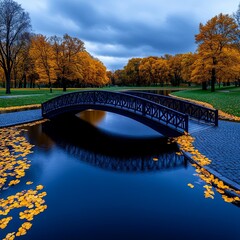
(117, 30)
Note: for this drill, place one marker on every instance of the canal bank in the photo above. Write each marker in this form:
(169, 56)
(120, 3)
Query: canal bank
(219, 144)
(19, 117)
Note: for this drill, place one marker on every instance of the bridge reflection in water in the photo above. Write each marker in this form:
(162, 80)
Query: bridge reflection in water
(112, 152)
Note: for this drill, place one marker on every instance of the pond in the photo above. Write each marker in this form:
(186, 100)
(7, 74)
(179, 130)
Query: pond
(99, 175)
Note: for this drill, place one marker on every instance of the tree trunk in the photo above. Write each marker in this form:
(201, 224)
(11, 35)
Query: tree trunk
(24, 81)
(8, 82)
(204, 85)
(213, 75)
(213, 79)
(64, 85)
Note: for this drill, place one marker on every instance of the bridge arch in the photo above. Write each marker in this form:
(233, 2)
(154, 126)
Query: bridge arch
(160, 118)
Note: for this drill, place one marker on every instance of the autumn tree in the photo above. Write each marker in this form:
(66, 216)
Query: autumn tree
(201, 72)
(132, 71)
(23, 64)
(187, 65)
(175, 65)
(146, 70)
(91, 71)
(42, 53)
(14, 23)
(66, 50)
(217, 34)
(161, 71)
(119, 77)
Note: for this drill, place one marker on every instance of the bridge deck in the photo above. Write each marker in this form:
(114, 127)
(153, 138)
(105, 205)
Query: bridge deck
(196, 126)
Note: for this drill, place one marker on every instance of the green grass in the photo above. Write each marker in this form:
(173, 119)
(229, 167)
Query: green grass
(226, 99)
(30, 91)
(39, 96)
(23, 101)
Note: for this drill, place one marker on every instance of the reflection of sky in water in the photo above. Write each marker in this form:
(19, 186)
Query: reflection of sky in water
(118, 124)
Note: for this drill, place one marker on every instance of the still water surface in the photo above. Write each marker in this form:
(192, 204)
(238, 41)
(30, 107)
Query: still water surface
(102, 183)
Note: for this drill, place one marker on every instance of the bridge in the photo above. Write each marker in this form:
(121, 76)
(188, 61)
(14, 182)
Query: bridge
(145, 108)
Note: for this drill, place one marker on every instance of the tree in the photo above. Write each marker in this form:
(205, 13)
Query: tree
(66, 52)
(14, 23)
(201, 72)
(132, 71)
(42, 53)
(91, 71)
(175, 64)
(218, 33)
(187, 63)
(23, 64)
(161, 71)
(146, 70)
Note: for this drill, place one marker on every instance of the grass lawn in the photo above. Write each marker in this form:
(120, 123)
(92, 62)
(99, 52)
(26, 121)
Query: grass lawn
(226, 99)
(39, 96)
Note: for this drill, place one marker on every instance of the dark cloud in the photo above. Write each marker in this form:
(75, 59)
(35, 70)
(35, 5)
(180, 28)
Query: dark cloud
(175, 35)
(115, 30)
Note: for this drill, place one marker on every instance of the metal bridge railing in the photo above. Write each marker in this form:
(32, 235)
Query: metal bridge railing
(194, 111)
(143, 107)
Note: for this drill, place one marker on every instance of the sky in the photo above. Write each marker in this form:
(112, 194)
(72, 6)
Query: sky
(115, 31)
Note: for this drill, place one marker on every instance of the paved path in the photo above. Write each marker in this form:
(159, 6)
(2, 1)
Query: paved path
(13, 118)
(24, 95)
(220, 144)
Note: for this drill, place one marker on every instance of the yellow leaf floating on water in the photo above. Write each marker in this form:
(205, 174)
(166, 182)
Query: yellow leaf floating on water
(227, 199)
(4, 222)
(10, 236)
(14, 182)
(190, 185)
(155, 159)
(29, 183)
(39, 187)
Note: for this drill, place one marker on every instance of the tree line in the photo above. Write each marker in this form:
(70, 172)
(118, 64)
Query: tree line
(216, 60)
(34, 60)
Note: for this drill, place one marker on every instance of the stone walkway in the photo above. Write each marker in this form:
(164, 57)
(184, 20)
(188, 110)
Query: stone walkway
(220, 144)
(14, 118)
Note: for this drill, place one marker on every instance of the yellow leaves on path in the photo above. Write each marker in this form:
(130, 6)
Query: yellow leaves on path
(185, 143)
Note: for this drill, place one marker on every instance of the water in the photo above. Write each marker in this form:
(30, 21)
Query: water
(102, 183)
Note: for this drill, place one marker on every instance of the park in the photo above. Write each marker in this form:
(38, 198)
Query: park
(147, 151)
